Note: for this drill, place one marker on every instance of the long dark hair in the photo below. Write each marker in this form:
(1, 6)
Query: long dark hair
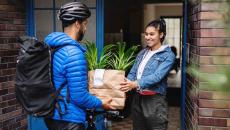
(160, 24)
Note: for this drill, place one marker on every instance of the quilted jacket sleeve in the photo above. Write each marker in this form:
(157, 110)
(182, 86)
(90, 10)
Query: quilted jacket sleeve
(75, 67)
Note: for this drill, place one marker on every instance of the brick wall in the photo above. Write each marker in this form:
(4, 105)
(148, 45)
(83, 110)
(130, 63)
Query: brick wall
(206, 107)
(12, 24)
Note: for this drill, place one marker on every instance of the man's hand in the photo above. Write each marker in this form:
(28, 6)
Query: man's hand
(106, 105)
(128, 85)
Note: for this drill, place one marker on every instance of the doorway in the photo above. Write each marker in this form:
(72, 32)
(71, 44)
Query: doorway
(125, 21)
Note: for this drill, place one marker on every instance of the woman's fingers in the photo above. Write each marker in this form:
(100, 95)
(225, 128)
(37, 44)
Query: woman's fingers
(125, 88)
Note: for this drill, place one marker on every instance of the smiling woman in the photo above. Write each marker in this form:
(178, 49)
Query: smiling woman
(148, 77)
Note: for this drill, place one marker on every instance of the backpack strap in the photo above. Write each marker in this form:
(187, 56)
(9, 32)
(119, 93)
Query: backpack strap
(58, 97)
(57, 92)
(62, 86)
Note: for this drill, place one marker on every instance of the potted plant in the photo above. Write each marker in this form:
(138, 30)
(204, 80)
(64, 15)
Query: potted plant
(108, 71)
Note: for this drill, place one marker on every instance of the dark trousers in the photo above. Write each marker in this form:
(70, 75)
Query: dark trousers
(149, 112)
(63, 125)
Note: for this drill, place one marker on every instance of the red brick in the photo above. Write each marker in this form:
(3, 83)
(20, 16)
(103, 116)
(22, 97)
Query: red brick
(219, 33)
(8, 109)
(221, 128)
(4, 2)
(7, 8)
(11, 65)
(210, 16)
(10, 33)
(11, 90)
(214, 6)
(8, 72)
(211, 24)
(12, 102)
(205, 121)
(19, 21)
(220, 122)
(224, 95)
(225, 113)
(207, 87)
(16, 15)
(208, 1)
(3, 105)
(3, 79)
(204, 128)
(3, 27)
(3, 91)
(214, 51)
(223, 60)
(8, 97)
(206, 60)
(212, 122)
(9, 46)
(212, 42)
(222, 104)
(205, 112)
(8, 52)
(205, 94)
(211, 69)
(15, 27)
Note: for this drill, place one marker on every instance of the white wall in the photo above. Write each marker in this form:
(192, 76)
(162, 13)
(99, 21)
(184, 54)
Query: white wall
(154, 11)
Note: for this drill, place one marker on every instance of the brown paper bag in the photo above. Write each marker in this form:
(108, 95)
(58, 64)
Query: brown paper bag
(110, 87)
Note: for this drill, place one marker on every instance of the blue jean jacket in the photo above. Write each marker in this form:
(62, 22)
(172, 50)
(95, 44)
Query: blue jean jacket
(154, 76)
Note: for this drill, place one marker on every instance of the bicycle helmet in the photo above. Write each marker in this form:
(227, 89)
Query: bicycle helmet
(73, 11)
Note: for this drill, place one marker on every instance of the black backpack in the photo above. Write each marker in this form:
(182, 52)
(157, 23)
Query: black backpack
(33, 83)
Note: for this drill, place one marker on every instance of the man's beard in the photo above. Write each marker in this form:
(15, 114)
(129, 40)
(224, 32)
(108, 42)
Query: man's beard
(80, 35)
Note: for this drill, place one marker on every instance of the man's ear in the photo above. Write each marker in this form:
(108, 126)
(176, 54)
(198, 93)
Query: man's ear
(78, 24)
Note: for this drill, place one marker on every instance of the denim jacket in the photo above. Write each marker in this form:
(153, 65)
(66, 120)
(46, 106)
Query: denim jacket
(154, 76)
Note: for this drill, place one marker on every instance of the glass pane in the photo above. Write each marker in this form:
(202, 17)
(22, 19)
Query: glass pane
(177, 23)
(43, 23)
(58, 23)
(43, 3)
(170, 33)
(91, 27)
(177, 33)
(59, 3)
(89, 3)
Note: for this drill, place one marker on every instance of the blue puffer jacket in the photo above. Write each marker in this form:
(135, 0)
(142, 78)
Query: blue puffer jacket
(69, 64)
(154, 76)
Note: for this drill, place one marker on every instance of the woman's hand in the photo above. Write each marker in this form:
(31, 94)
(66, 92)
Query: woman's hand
(128, 85)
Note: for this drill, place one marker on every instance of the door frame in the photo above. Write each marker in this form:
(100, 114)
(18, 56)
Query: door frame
(183, 65)
(30, 30)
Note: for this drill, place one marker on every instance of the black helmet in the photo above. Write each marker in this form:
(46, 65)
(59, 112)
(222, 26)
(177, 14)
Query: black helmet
(73, 11)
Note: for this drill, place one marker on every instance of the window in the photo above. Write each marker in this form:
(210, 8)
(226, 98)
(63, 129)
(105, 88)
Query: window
(173, 30)
(46, 20)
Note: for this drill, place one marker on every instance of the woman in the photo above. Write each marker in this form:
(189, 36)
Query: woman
(149, 77)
